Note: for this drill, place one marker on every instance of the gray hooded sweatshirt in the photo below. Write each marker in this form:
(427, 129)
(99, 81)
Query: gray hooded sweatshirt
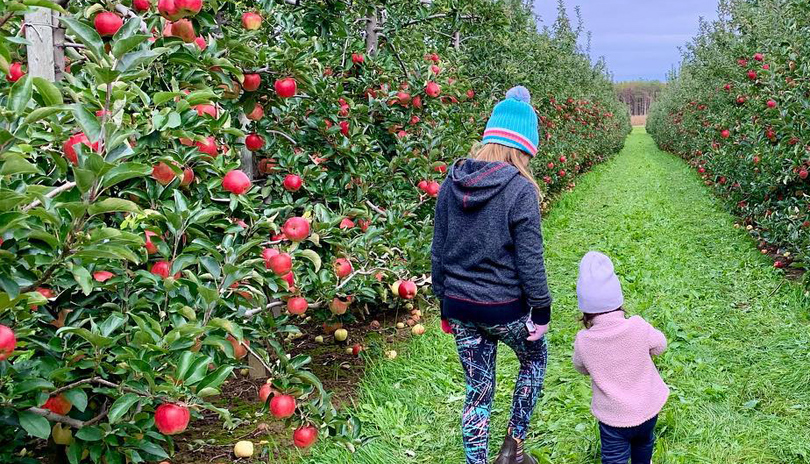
(487, 253)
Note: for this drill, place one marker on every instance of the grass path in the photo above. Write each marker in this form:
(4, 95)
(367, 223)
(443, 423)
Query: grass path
(739, 357)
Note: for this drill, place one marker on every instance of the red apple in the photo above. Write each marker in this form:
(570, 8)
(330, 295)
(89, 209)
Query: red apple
(254, 142)
(168, 9)
(346, 223)
(297, 305)
(141, 5)
(171, 419)
(188, 8)
(725, 133)
(471, 94)
(344, 128)
(771, 104)
(208, 147)
(188, 177)
(236, 182)
(281, 264)
(752, 75)
(417, 102)
(162, 173)
(15, 72)
(342, 267)
(422, 185)
(58, 404)
(264, 392)
(282, 406)
(561, 173)
(107, 23)
(414, 120)
(293, 182)
(290, 279)
(267, 255)
(161, 269)
(296, 229)
(758, 56)
(358, 58)
(200, 41)
(239, 350)
(206, 108)
(70, 152)
(404, 98)
(435, 69)
(285, 88)
(339, 306)
(103, 276)
(183, 29)
(803, 173)
(357, 349)
(305, 436)
(257, 113)
(252, 82)
(407, 289)
(8, 342)
(433, 188)
(251, 21)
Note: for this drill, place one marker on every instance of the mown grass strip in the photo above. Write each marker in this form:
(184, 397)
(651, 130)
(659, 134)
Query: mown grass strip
(738, 357)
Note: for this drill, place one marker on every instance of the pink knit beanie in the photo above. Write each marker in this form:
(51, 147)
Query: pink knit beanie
(598, 287)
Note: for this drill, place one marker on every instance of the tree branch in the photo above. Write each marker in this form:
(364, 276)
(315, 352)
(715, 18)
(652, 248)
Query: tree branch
(292, 140)
(50, 194)
(436, 16)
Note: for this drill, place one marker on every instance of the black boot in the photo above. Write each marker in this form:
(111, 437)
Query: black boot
(509, 453)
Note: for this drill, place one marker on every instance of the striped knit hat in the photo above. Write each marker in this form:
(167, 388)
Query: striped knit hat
(514, 123)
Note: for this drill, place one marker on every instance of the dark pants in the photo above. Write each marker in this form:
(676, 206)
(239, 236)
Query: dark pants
(620, 444)
(477, 346)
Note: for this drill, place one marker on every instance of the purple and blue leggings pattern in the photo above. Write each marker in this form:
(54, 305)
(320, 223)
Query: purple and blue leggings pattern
(477, 348)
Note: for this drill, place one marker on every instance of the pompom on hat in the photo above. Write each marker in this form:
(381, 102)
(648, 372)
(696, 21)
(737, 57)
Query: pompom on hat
(514, 123)
(598, 287)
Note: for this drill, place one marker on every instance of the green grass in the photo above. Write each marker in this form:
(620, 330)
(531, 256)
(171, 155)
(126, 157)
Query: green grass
(738, 362)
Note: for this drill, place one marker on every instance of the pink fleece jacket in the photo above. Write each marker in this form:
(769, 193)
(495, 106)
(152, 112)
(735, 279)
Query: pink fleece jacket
(617, 354)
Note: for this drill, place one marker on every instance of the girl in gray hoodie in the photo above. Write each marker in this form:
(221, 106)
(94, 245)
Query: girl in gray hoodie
(488, 272)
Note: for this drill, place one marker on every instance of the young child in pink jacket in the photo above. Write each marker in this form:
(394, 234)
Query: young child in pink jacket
(616, 352)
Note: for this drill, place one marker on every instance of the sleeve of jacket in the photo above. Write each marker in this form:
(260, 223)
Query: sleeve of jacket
(524, 221)
(579, 365)
(437, 248)
(656, 339)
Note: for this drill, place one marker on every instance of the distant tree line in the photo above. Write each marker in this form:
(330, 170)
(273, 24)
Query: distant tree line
(639, 95)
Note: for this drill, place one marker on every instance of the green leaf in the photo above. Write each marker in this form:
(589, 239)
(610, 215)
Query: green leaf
(94, 339)
(42, 113)
(49, 93)
(84, 178)
(138, 57)
(16, 164)
(74, 452)
(89, 434)
(88, 121)
(110, 205)
(36, 426)
(183, 365)
(129, 28)
(21, 93)
(125, 45)
(44, 4)
(200, 96)
(83, 278)
(153, 449)
(313, 256)
(78, 397)
(215, 379)
(85, 34)
(162, 97)
(121, 406)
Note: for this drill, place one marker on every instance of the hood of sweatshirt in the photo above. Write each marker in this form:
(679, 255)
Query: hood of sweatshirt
(474, 182)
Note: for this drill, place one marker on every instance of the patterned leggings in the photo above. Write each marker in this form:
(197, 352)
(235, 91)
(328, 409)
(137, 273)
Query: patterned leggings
(477, 347)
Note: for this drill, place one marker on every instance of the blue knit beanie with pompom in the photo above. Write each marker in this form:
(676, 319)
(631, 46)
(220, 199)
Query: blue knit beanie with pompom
(514, 123)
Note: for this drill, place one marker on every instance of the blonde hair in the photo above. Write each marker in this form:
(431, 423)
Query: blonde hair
(494, 152)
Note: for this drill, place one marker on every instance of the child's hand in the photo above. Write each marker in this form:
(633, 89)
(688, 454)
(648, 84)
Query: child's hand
(537, 333)
(446, 327)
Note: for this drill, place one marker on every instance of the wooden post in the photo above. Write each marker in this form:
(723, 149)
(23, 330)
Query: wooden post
(372, 41)
(58, 46)
(457, 40)
(39, 32)
(245, 155)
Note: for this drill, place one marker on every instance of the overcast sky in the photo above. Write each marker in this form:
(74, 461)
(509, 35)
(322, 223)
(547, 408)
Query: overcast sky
(639, 38)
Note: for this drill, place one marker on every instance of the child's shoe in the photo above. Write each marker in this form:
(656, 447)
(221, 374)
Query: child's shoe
(512, 453)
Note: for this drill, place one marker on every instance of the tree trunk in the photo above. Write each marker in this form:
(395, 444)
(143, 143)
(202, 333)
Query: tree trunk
(372, 40)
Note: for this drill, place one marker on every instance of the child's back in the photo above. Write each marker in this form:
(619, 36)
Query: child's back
(616, 353)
